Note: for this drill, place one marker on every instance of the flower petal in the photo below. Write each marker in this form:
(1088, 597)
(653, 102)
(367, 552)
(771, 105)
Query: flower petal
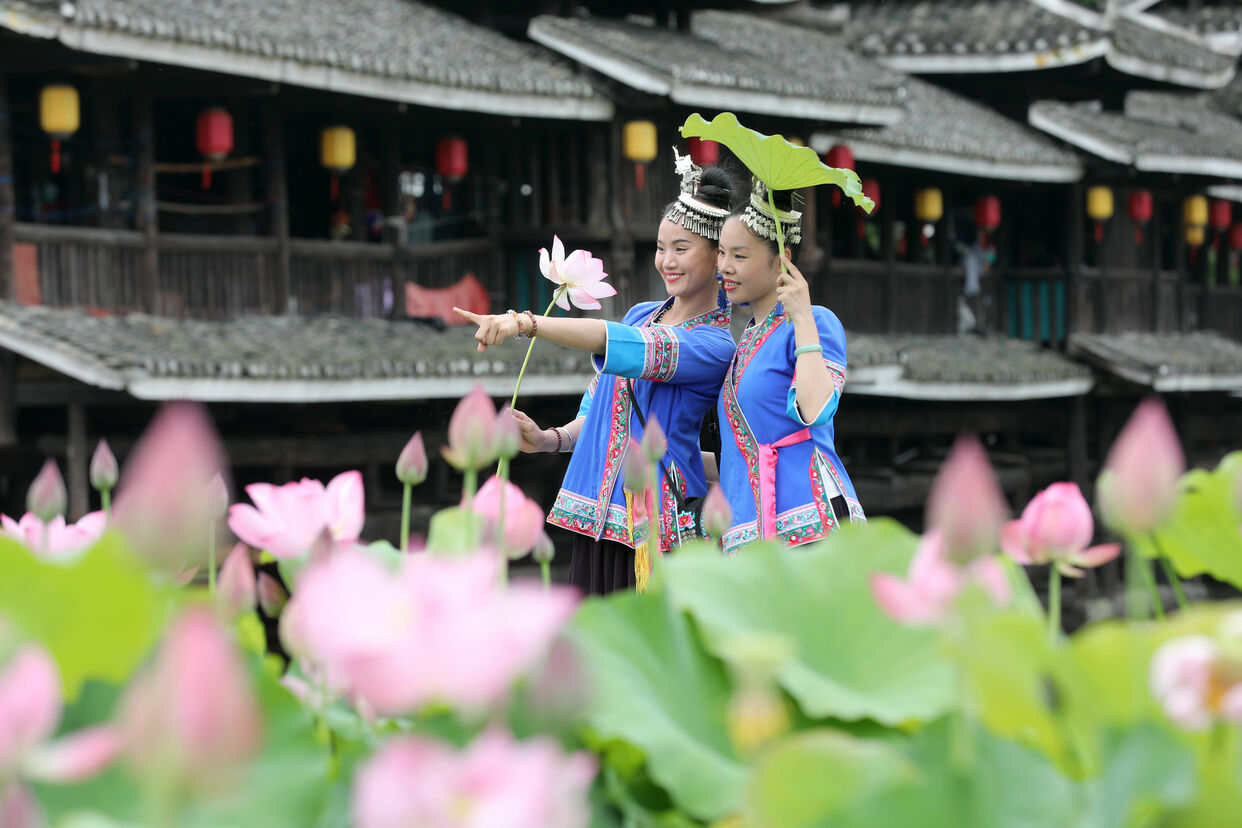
(901, 602)
(77, 756)
(582, 299)
(1096, 555)
(558, 250)
(1013, 542)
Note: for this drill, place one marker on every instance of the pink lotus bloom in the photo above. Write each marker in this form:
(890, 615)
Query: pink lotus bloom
(104, 470)
(495, 781)
(635, 469)
(1139, 487)
(934, 582)
(437, 629)
(46, 496)
(1056, 527)
(966, 503)
(717, 515)
(581, 273)
(524, 519)
(412, 462)
(291, 518)
(192, 717)
(471, 431)
(506, 438)
(217, 497)
(236, 589)
(30, 710)
(56, 540)
(160, 505)
(654, 443)
(1181, 676)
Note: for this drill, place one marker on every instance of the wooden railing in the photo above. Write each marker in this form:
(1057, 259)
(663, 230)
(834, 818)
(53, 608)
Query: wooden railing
(213, 277)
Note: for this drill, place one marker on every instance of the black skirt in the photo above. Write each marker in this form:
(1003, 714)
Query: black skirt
(599, 567)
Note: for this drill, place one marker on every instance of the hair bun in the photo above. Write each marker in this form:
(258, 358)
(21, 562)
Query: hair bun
(716, 188)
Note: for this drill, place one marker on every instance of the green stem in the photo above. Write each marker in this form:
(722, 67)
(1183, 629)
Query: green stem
(105, 498)
(1169, 573)
(545, 569)
(470, 486)
(1149, 581)
(1054, 604)
(502, 471)
(211, 557)
(522, 372)
(405, 516)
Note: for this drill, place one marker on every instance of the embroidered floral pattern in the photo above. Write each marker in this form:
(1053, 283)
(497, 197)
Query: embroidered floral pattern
(660, 349)
(838, 375)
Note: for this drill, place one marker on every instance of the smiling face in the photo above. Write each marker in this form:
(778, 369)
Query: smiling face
(746, 264)
(686, 262)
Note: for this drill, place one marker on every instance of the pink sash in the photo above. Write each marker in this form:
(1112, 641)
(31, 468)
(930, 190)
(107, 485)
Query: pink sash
(767, 479)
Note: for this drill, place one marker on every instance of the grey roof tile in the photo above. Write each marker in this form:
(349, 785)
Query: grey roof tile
(1171, 51)
(1176, 361)
(963, 359)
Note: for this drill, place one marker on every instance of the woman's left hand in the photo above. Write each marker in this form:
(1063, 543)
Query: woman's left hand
(792, 291)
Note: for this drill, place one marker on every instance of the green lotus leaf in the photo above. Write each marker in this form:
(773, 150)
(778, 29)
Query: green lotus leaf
(773, 160)
(1202, 535)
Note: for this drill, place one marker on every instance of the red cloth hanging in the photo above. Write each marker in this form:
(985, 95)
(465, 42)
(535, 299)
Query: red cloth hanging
(467, 293)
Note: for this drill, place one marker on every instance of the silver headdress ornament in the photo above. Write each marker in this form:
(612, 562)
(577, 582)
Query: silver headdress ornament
(758, 216)
(697, 216)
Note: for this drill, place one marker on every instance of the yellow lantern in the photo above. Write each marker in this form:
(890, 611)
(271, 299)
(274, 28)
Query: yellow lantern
(60, 116)
(1099, 203)
(1195, 211)
(928, 205)
(337, 153)
(1195, 234)
(797, 142)
(639, 145)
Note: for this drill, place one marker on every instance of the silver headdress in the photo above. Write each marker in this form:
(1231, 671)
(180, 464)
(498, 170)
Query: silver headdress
(758, 216)
(696, 216)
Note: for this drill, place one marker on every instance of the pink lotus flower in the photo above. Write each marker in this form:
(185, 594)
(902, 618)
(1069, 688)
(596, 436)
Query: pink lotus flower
(1139, 486)
(192, 718)
(524, 519)
(412, 462)
(581, 275)
(1181, 676)
(236, 591)
(104, 470)
(160, 505)
(496, 781)
(934, 583)
(291, 518)
(47, 497)
(471, 431)
(437, 629)
(1056, 527)
(654, 443)
(966, 503)
(55, 540)
(544, 549)
(506, 438)
(717, 515)
(635, 468)
(217, 497)
(30, 711)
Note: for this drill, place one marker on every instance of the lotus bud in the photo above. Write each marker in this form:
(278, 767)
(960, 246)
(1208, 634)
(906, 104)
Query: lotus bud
(654, 443)
(104, 471)
(636, 469)
(966, 503)
(272, 596)
(235, 593)
(756, 715)
(412, 463)
(471, 431)
(544, 549)
(47, 497)
(523, 517)
(217, 497)
(717, 516)
(1139, 487)
(192, 719)
(506, 438)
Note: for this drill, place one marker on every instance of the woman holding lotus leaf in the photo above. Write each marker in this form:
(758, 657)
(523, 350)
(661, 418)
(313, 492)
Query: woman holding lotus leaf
(673, 353)
(779, 466)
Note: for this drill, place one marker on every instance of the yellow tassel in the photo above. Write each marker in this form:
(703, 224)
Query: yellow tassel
(642, 554)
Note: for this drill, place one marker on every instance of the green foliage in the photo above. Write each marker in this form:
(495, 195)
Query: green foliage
(98, 615)
(773, 160)
(851, 661)
(452, 531)
(1203, 534)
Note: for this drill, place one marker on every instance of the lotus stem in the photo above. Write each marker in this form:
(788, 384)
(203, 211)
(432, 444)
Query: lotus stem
(522, 372)
(545, 569)
(105, 499)
(211, 557)
(1169, 573)
(406, 492)
(1054, 604)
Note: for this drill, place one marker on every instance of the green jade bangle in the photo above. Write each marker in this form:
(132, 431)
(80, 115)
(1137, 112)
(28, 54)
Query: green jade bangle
(808, 349)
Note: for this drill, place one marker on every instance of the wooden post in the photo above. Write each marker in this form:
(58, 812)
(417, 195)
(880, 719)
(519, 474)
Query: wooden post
(77, 456)
(889, 251)
(107, 140)
(1074, 322)
(8, 288)
(146, 216)
(1183, 273)
(278, 208)
(597, 177)
(8, 397)
(810, 255)
(1076, 444)
(1156, 255)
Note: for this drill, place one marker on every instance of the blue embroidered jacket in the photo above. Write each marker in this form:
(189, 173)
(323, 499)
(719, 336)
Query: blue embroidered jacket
(760, 422)
(677, 371)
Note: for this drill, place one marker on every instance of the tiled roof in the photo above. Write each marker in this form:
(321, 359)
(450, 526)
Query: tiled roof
(950, 133)
(401, 49)
(694, 70)
(1219, 23)
(960, 368)
(1199, 361)
(1158, 131)
(279, 358)
(1141, 48)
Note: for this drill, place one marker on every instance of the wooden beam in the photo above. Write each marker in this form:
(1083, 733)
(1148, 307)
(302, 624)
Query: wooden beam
(278, 205)
(146, 217)
(8, 205)
(77, 456)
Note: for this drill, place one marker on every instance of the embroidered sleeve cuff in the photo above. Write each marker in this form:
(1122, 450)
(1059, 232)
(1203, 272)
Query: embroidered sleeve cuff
(648, 353)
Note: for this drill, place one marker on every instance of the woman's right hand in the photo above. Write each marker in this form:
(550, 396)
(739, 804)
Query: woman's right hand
(534, 438)
(494, 328)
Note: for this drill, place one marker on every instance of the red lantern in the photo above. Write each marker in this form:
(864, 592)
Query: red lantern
(704, 153)
(452, 163)
(1220, 214)
(1235, 236)
(841, 156)
(215, 138)
(871, 189)
(1140, 211)
(987, 217)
